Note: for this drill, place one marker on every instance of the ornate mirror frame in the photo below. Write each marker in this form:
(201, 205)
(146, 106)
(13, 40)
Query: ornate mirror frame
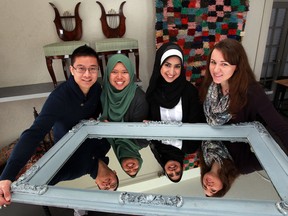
(32, 188)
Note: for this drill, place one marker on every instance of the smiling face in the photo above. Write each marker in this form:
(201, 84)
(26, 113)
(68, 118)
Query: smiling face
(171, 69)
(87, 79)
(119, 77)
(173, 170)
(211, 183)
(107, 181)
(130, 166)
(220, 69)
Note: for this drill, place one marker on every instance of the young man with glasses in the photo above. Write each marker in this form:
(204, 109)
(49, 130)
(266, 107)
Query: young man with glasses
(76, 99)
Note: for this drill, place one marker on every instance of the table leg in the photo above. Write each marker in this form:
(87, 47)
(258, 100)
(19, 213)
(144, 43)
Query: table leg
(50, 69)
(136, 54)
(279, 96)
(101, 64)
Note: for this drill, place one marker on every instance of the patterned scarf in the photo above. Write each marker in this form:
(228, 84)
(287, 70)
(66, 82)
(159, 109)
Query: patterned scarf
(214, 151)
(216, 106)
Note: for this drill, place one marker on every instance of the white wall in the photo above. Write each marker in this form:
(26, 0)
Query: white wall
(256, 32)
(28, 25)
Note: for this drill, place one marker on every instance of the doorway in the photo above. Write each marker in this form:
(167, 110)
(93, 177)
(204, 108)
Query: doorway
(275, 64)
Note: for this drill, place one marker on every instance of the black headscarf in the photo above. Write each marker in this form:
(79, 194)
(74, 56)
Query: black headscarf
(160, 92)
(163, 153)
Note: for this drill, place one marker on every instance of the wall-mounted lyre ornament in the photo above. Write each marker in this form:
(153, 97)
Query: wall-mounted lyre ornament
(68, 34)
(110, 20)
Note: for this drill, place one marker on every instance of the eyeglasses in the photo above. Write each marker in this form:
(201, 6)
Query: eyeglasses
(82, 70)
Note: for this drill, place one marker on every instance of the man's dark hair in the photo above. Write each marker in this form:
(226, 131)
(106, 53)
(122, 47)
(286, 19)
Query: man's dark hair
(83, 51)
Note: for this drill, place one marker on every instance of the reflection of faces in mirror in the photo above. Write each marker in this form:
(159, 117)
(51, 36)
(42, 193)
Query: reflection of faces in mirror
(171, 69)
(119, 77)
(217, 180)
(106, 179)
(109, 182)
(211, 183)
(130, 166)
(173, 170)
(218, 170)
(170, 159)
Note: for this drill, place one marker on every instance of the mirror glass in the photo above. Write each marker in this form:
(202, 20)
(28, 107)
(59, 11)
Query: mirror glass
(150, 179)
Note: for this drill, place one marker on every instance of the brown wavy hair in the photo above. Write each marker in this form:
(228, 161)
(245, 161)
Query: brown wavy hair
(234, 53)
(227, 174)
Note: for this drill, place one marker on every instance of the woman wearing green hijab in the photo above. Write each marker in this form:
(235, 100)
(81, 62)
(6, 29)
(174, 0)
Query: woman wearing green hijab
(123, 101)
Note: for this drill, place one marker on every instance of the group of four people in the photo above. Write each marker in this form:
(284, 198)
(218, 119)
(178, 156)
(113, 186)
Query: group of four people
(229, 94)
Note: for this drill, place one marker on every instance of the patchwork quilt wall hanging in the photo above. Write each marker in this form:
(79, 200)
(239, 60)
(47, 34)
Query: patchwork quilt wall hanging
(195, 25)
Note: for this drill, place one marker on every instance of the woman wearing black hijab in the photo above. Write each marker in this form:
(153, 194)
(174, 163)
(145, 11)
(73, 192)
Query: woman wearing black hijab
(172, 98)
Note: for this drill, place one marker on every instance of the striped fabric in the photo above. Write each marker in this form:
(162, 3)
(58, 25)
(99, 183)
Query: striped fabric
(62, 48)
(114, 44)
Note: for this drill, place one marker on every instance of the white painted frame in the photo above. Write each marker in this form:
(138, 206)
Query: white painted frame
(32, 188)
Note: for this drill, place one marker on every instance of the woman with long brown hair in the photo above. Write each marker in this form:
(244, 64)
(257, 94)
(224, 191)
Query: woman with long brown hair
(231, 95)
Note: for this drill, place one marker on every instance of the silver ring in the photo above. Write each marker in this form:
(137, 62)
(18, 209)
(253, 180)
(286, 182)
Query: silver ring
(4, 206)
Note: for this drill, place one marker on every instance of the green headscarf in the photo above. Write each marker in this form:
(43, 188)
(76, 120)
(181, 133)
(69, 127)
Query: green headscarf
(125, 148)
(115, 103)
